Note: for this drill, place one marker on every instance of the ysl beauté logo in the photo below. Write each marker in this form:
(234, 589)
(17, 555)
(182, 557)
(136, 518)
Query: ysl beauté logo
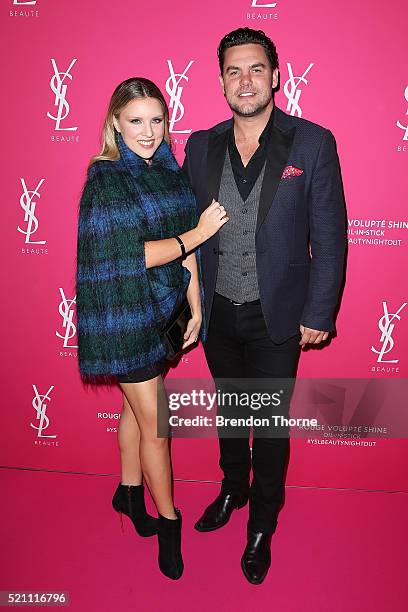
(28, 205)
(259, 4)
(174, 89)
(386, 326)
(59, 87)
(292, 90)
(40, 406)
(66, 310)
(399, 124)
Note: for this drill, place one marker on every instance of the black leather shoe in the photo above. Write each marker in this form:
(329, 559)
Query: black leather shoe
(256, 559)
(218, 513)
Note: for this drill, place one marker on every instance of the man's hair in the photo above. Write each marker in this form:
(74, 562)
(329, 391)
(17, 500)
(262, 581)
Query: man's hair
(247, 36)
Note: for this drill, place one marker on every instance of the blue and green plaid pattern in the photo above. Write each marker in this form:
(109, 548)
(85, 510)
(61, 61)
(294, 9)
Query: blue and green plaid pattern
(122, 307)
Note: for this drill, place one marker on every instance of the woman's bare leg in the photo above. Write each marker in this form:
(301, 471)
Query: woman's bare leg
(154, 451)
(129, 446)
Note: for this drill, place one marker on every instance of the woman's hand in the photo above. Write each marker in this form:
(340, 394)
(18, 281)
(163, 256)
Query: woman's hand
(213, 217)
(192, 331)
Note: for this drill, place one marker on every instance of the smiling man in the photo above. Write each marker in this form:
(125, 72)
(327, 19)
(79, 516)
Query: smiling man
(272, 274)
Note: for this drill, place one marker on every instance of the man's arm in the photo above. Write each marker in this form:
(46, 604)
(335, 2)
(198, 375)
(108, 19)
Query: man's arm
(327, 242)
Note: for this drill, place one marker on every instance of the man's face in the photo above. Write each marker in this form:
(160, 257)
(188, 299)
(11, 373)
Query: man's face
(247, 80)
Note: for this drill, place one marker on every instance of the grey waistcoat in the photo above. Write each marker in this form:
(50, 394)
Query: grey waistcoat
(237, 278)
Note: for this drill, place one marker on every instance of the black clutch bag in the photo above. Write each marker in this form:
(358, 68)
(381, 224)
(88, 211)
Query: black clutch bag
(173, 334)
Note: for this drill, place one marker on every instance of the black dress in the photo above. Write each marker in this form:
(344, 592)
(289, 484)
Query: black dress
(142, 374)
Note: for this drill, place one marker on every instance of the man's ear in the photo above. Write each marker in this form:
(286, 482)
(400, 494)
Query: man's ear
(222, 84)
(275, 78)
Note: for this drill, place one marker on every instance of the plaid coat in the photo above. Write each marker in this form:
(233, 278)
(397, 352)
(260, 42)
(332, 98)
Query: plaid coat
(122, 307)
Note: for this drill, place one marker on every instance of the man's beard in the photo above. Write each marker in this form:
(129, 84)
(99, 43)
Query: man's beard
(257, 110)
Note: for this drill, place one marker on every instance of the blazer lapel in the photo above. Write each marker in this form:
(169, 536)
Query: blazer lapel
(279, 146)
(217, 148)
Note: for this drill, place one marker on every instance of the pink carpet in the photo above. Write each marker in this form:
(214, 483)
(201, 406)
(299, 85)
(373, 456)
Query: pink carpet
(335, 550)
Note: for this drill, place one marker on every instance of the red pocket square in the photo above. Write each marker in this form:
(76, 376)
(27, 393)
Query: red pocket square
(291, 171)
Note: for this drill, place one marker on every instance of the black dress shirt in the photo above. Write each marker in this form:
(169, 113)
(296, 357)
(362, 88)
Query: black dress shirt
(245, 176)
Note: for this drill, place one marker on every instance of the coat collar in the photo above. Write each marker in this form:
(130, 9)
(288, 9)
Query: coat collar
(136, 165)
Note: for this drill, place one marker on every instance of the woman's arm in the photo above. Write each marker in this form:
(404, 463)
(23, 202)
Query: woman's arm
(159, 252)
(194, 299)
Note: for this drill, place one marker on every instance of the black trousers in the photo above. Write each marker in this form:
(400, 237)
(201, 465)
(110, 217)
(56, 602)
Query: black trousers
(239, 347)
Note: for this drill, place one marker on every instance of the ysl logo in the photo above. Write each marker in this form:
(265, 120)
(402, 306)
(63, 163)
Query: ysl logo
(292, 91)
(404, 127)
(60, 89)
(67, 313)
(40, 407)
(174, 89)
(386, 327)
(27, 204)
(264, 5)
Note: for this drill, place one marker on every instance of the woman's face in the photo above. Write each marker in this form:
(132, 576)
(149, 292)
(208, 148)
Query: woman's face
(141, 123)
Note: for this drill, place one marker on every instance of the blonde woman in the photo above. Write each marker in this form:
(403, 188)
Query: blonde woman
(137, 236)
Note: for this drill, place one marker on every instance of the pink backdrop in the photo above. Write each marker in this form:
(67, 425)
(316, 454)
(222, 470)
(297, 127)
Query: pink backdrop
(343, 65)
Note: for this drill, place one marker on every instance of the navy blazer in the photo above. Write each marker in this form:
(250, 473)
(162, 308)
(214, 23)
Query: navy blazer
(300, 232)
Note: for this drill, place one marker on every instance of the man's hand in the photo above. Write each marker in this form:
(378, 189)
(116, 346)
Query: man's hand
(312, 336)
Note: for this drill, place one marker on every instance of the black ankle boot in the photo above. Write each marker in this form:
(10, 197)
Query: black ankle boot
(170, 559)
(129, 500)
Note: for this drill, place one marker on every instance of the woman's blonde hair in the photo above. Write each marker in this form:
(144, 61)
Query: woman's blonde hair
(125, 92)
